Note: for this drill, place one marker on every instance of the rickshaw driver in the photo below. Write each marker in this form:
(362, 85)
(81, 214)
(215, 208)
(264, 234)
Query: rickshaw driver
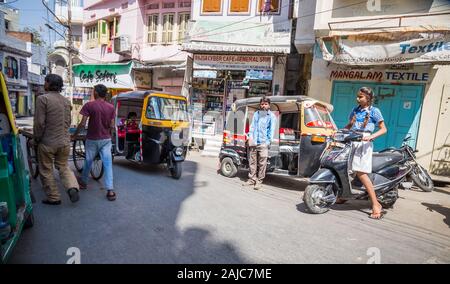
(260, 136)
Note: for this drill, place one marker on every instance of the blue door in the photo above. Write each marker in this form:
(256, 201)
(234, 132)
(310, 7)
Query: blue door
(400, 105)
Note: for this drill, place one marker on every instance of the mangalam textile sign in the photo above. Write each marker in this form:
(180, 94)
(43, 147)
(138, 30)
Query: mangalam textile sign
(110, 75)
(384, 49)
(232, 62)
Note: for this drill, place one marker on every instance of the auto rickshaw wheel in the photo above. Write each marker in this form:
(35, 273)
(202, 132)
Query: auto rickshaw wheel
(228, 168)
(32, 160)
(29, 222)
(175, 171)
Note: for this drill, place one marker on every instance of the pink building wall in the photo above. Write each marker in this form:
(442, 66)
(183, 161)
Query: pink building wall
(133, 23)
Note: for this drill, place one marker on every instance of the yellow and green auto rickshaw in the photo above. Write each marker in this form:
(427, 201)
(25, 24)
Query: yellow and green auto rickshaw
(152, 127)
(304, 124)
(16, 212)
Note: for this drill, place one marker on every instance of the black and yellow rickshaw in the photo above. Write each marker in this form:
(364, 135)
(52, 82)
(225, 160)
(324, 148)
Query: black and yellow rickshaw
(300, 138)
(152, 128)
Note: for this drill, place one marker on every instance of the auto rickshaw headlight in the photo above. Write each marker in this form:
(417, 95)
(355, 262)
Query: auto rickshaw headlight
(179, 151)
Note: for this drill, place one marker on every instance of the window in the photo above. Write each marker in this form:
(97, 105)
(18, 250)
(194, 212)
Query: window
(167, 28)
(183, 21)
(184, 4)
(7, 25)
(211, 6)
(269, 6)
(92, 36)
(166, 109)
(239, 6)
(152, 28)
(169, 5)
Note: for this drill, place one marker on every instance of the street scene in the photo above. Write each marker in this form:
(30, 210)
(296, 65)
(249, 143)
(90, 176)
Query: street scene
(224, 132)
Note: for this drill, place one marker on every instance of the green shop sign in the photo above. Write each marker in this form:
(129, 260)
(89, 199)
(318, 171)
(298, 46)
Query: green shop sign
(110, 75)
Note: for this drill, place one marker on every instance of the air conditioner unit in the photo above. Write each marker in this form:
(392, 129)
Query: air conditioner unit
(122, 45)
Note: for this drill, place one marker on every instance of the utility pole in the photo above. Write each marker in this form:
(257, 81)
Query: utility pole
(70, 47)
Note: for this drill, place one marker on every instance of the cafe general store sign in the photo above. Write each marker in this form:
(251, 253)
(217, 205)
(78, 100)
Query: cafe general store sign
(110, 75)
(232, 62)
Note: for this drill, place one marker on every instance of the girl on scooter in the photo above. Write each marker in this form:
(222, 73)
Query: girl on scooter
(363, 119)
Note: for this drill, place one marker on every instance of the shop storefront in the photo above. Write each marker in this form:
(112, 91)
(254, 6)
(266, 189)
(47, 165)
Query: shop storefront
(408, 71)
(219, 80)
(15, 69)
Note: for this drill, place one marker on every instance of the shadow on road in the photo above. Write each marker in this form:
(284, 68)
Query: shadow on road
(439, 209)
(287, 183)
(142, 226)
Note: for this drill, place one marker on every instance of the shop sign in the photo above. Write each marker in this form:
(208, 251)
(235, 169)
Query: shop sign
(380, 75)
(110, 75)
(259, 75)
(142, 80)
(369, 49)
(232, 62)
(209, 74)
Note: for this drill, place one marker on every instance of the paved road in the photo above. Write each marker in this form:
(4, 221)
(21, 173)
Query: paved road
(207, 218)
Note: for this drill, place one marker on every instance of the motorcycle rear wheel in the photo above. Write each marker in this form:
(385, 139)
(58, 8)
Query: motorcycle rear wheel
(422, 179)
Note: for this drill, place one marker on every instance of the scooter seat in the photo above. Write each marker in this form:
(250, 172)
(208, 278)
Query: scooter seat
(381, 160)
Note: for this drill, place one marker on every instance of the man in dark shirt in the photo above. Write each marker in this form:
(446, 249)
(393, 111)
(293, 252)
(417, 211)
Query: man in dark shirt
(98, 138)
(51, 134)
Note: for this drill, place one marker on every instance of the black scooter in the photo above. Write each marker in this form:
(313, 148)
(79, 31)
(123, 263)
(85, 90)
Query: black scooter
(334, 179)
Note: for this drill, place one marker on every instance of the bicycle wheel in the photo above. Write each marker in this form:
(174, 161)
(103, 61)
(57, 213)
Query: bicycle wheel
(97, 168)
(32, 159)
(78, 154)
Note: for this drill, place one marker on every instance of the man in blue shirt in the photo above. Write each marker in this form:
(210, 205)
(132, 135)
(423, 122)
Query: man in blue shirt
(260, 136)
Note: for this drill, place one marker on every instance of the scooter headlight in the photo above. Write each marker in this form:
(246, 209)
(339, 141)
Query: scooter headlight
(179, 151)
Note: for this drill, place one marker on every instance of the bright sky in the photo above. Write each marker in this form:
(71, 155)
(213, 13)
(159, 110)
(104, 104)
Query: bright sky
(33, 14)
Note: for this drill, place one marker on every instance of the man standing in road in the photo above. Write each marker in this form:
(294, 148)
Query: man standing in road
(51, 133)
(260, 136)
(98, 138)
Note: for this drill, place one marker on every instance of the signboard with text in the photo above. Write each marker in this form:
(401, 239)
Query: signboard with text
(111, 75)
(232, 62)
(372, 50)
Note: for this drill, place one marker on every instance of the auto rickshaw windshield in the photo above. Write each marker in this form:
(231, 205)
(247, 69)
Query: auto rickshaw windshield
(318, 116)
(167, 109)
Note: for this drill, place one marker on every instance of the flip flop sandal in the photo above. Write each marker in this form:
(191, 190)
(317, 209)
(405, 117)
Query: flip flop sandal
(381, 215)
(51, 202)
(111, 195)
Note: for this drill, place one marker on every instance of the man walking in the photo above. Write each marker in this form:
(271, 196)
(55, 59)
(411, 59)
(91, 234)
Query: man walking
(51, 133)
(262, 130)
(98, 138)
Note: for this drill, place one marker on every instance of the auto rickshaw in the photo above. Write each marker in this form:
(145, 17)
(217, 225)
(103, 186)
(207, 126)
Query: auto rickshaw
(304, 124)
(16, 211)
(152, 128)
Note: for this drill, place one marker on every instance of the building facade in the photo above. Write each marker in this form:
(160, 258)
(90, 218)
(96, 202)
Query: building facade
(240, 50)
(401, 49)
(14, 65)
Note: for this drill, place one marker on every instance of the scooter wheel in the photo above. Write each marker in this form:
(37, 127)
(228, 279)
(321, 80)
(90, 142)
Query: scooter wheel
(314, 198)
(176, 170)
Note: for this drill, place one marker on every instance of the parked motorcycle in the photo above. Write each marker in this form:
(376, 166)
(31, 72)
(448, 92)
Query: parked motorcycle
(334, 178)
(418, 175)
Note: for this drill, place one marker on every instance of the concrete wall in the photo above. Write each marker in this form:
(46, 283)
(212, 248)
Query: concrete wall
(344, 10)
(12, 16)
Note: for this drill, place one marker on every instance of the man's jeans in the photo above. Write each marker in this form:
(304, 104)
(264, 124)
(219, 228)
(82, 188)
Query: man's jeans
(92, 148)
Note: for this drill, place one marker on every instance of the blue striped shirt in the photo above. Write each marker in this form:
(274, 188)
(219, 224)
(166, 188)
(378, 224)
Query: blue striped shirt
(375, 118)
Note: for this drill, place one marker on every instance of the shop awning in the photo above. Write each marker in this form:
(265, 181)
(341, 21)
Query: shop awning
(387, 46)
(244, 37)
